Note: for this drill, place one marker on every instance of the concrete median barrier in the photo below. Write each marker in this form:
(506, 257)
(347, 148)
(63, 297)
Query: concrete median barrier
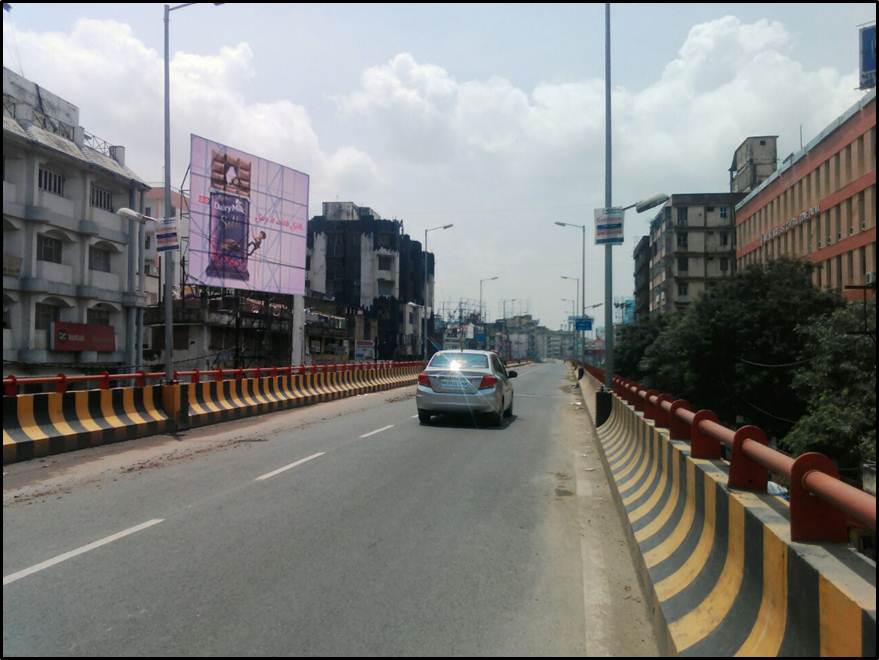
(719, 564)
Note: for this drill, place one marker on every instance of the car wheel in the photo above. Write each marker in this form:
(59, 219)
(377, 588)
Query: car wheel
(509, 411)
(498, 418)
(423, 417)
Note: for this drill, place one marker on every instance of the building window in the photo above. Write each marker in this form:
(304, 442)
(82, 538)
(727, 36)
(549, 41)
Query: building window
(147, 241)
(148, 211)
(102, 198)
(682, 239)
(45, 314)
(51, 182)
(683, 289)
(724, 239)
(384, 263)
(683, 264)
(98, 316)
(6, 325)
(724, 212)
(48, 249)
(682, 216)
(99, 259)
(724, 264)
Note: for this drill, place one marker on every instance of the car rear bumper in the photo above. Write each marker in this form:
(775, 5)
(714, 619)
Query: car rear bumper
(484, 401)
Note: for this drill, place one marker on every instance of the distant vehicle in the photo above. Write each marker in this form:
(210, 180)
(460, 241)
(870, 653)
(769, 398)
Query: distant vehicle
(465, 382)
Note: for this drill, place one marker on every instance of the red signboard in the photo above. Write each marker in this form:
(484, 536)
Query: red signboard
(82, 337)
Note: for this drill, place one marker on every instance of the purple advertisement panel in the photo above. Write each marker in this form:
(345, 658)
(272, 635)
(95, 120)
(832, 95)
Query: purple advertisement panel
(248, 219)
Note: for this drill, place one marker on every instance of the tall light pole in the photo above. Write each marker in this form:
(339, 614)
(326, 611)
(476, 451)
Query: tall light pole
(169, 266)
(578, 295)
(424, 350)
(582, 229)
(487, 279)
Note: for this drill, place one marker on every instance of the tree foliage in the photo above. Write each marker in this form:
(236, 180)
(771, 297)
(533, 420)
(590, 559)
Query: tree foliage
(733, 349)
(838, 386)
(632, 343)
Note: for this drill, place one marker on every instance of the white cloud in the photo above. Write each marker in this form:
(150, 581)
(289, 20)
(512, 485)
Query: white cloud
(117, 82)
(501, 162)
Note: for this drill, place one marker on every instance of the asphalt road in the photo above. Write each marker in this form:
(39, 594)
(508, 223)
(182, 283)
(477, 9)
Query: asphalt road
(345, 529)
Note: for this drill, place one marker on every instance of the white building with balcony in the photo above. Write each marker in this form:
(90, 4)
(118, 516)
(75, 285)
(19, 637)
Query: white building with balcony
(69, 261)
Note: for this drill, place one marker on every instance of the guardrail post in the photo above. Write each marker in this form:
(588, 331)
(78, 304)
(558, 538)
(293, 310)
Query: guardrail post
(105, 380)
(10, 386)
(196, 376)
(701, 444)
(663, 417)
(811, 518)
(140, 379)
(61, 385)
(678, 429)
(745, 473)
(649, 406)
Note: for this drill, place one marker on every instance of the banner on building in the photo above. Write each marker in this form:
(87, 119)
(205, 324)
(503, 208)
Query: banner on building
(248, 219)
(76, 337)
(609, 226)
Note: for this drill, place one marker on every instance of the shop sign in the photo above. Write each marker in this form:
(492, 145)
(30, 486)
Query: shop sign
(790, 224)
(76, 337)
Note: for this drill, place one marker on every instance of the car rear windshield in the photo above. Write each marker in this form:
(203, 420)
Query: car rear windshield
(459, 361)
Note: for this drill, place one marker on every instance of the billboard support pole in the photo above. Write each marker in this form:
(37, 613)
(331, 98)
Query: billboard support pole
(298, 330)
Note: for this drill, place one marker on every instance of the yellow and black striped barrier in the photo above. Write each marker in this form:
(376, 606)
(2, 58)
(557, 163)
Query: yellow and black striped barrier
(719, 564)
(37, 425)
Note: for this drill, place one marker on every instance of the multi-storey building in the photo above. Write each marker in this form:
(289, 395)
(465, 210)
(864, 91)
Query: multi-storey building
(692, 243)
(754, 161)
(642, 278)
(72, 290)
(375, 273)
(820, 205)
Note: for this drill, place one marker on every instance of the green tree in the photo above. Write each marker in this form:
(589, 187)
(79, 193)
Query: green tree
(838, 385)
(632, 343)
(733, 349)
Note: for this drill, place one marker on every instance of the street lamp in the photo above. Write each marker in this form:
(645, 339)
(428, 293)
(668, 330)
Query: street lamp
(582, 229)
(487, 279)
(169, 266)
(424, 351)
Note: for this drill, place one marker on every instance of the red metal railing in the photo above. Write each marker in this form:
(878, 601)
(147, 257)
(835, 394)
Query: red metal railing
(821, 505)
(62, 381)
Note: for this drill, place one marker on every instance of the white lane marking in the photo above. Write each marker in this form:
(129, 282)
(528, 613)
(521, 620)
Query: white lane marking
(289, 467)
(9, 579)
(383, 428)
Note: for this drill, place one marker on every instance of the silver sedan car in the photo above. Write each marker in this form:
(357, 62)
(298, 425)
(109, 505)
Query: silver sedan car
(465, 382)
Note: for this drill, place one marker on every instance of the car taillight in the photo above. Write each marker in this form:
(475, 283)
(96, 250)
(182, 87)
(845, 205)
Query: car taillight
(487, 381)
(424, 379)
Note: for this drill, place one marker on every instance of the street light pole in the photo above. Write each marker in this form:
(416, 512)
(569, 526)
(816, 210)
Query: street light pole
(608, 190)
(168, 265)
(487, 279)
(424, 349)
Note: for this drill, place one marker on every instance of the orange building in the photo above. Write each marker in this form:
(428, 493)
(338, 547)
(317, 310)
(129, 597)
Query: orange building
(820, 205)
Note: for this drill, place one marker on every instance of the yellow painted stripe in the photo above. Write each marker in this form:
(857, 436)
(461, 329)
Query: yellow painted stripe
(625, 455)
(109, 412)
(698, 623)
(226, 401)
(194, 405)
(654, 468)
(637, 467)
(667, 548)
(207, 398)
(768, 631)
(654, 500)
(82, 411)
(56, 415)
(150, 405)
(671, 503)
(254, 386)
(130, 408)
(839, 621)
(677, 581)
(7, 440)
(26, 418)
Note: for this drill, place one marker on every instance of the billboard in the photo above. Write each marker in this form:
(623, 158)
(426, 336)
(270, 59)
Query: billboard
(248, 219)
(609, 226)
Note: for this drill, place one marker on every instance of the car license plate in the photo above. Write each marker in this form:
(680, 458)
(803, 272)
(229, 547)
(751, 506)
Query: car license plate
(456, 383)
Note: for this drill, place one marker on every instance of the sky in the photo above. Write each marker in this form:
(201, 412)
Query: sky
(490, 117)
